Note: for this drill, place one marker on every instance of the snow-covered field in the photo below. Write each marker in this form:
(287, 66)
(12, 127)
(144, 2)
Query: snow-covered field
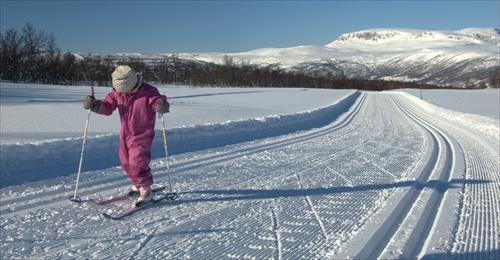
(260, 174)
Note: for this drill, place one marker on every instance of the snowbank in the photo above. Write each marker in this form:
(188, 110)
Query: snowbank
(489, 125)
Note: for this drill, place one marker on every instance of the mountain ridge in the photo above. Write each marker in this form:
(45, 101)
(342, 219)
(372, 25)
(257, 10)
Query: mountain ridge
(461, 58)
(394, 34)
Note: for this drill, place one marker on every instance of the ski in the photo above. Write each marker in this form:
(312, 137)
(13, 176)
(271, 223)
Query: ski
(122, 197)
(130, 211)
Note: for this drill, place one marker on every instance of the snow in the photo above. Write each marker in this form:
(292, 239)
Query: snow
(484, 102)
(261, 173)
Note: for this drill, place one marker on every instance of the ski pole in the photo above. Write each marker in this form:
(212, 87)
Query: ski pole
(172, 195)
(75, 198)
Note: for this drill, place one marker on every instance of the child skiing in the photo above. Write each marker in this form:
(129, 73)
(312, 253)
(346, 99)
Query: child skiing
(137, 103)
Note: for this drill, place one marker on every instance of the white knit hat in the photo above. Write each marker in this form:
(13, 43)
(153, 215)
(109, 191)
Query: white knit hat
(124, 79)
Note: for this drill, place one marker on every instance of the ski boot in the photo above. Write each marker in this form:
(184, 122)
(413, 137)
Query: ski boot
(145, 198)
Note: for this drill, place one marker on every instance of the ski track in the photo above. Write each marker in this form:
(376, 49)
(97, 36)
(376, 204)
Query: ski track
(383, 180)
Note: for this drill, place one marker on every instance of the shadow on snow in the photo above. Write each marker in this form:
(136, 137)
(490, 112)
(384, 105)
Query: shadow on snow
(287, 193)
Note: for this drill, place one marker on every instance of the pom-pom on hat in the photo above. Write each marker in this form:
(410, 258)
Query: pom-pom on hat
(124, 79)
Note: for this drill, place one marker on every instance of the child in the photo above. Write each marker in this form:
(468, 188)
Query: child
(137, 103)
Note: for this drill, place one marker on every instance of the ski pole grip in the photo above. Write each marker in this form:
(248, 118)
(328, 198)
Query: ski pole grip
(92, 90)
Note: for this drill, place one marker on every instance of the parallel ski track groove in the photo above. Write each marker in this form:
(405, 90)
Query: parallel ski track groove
(476, 230)
(419, 236)
(389, 228)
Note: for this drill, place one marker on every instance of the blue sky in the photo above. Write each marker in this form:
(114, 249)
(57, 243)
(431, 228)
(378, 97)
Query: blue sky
(230, 26)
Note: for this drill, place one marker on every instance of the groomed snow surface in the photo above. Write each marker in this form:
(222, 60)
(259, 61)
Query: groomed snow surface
(260, 174)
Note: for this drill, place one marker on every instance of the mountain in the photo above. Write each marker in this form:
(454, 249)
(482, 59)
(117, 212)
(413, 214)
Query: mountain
(455, 58)
(463, 58)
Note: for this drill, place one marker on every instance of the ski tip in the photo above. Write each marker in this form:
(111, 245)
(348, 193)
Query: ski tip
(107, 216)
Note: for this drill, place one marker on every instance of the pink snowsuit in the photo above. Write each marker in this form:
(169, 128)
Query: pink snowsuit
(138, 118)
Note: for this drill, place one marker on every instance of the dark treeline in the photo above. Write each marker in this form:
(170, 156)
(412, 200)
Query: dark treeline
(32, 56)
(246, 75)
